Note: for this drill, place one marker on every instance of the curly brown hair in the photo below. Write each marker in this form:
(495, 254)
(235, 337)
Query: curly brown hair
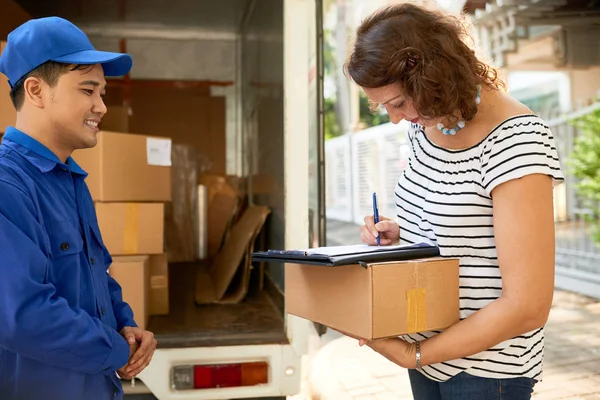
(426, 51)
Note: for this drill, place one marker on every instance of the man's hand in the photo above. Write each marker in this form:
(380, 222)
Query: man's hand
(133, 347)
(140, 357)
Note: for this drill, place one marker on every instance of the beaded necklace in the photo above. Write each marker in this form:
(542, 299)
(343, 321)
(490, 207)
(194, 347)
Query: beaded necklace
(461, 123)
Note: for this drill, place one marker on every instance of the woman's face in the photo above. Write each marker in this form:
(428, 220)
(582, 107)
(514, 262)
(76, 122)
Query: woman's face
(398, 105)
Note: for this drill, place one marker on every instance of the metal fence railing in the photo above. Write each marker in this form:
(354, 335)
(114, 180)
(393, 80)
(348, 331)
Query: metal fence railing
(577, 256)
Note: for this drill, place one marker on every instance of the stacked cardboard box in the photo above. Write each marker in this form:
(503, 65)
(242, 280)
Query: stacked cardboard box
(11, 16)
(8, 115)
(206, 204)
(129, 179)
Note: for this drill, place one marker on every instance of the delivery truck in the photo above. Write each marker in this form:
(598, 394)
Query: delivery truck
(240, 82)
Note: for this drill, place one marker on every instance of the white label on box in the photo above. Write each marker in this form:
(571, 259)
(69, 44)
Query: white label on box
(158, 152)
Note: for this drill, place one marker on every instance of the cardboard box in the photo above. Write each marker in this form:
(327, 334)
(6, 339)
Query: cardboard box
(133, 274)
(11, 16)
(124, 167)
(200, 118)
(132, 228)
(8, 114)
(377, 301)
(116, 119)
(159, 285)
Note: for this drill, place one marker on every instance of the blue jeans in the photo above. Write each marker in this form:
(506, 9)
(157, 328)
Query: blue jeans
(468, 387)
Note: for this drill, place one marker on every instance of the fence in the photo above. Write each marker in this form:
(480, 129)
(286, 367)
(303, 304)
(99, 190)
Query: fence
(372, 161)
(358, 165)
(577, 256)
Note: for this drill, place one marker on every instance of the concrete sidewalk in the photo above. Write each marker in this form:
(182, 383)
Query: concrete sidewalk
(340, 369)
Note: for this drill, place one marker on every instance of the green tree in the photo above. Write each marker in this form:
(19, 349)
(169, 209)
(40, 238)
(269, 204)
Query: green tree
(332, 128)
(367, 116)
(584, 163)
(330, 117)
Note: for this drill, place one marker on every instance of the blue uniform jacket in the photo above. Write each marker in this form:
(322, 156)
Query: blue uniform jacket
(60, 311)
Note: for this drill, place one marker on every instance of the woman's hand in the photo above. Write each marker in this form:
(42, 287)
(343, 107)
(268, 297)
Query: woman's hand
(396, 350)
(387, 228)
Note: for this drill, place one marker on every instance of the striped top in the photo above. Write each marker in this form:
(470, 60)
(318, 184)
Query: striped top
(443, 198)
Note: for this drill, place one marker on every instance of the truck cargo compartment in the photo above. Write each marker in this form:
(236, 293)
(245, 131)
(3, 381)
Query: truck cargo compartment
(256, 320)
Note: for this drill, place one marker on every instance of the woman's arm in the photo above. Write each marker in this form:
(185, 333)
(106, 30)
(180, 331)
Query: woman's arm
(524, 232)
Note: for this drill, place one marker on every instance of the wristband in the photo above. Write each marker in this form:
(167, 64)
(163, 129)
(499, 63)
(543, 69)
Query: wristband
(418, 355)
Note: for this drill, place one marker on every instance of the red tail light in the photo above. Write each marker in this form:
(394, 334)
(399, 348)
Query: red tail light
(220, 375)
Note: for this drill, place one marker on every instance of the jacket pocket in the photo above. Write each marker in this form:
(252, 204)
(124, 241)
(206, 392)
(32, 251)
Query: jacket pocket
(65, 270)
(65, 239)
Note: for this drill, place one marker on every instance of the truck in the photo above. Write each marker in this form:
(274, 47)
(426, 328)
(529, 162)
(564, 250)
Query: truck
(263, 59)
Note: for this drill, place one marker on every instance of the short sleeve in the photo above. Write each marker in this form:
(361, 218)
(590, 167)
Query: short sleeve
(520, 146)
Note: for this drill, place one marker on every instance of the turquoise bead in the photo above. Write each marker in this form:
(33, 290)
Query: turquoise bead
(461, 124)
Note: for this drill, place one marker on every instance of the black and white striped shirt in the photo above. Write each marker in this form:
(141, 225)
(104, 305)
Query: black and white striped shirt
(443, 198)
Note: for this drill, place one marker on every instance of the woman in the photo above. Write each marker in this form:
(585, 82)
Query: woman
(479, 185)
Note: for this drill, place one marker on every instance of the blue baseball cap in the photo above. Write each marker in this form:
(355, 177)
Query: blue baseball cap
(55, 39)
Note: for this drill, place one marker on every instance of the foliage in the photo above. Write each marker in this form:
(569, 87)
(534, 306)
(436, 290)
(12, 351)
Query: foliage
(332, 127)
(330, 118)
(368, 117)
(584, 163)
(332, 71)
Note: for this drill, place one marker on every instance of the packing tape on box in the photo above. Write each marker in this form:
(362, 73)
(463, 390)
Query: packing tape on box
(158, 282)
(416, 310)
(132, 223)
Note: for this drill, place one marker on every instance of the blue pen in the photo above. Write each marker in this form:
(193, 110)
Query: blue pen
(376, 215)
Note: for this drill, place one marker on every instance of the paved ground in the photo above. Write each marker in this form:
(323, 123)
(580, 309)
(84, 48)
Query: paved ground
(338, 369)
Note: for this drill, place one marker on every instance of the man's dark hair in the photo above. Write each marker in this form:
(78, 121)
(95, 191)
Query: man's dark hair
(49, 72)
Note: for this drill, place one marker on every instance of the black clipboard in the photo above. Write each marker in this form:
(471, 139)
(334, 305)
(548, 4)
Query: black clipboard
(334, 256)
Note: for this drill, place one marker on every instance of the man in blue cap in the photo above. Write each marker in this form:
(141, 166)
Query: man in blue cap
(65, 332)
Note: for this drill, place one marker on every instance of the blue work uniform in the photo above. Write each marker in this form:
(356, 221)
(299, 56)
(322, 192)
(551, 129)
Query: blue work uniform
(60, 311)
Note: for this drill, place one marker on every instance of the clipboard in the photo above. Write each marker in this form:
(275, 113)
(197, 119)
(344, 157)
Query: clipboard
(333, 256)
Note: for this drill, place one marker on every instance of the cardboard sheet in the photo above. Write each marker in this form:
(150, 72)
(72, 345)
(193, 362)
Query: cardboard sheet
(211, 286)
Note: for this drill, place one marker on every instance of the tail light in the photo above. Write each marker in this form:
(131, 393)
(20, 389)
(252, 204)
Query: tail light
(186, 377)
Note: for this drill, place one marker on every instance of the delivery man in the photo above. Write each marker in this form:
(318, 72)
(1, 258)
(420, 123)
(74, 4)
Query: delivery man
(65, 332)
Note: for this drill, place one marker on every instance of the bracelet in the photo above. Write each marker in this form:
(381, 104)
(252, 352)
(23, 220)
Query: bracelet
(418, 355)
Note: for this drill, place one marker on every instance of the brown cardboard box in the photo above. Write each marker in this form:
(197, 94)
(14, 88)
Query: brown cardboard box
(116, 119)
(123, 167)
(186, 114)
(11, 16)
(133, 274)
(159, 285)
(8, 114)
(379, 301)
(132, 228)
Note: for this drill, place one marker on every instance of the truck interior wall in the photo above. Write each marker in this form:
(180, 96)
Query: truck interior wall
(207, 14)
(186, 115)
(208, 58)
(263, 114)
